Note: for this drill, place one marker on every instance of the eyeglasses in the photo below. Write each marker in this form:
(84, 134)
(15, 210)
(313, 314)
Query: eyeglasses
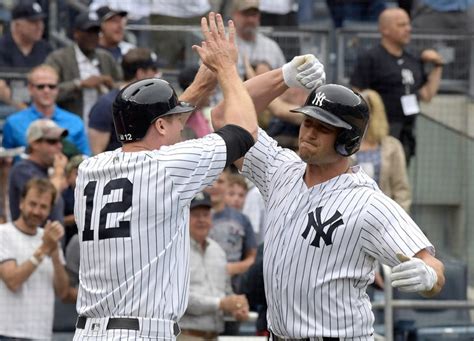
(42, 86)
(51, 141)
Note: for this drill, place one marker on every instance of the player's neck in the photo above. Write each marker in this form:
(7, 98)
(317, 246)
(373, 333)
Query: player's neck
(317, 174)
(138, 146)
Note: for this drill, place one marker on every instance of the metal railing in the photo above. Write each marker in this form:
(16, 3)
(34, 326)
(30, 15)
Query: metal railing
(390, 304)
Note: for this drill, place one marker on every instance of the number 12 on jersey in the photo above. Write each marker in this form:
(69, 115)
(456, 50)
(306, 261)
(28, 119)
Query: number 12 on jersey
(121, 231)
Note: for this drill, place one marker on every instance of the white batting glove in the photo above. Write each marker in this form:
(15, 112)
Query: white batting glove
(413, 275)
(305, 72)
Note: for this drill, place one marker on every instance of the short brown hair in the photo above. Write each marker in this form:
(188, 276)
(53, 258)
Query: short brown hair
(237, 179)
(138, 58)
(42, 185)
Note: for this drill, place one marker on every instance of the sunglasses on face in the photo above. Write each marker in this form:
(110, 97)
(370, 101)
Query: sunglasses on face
(51, 141)
(42, 86)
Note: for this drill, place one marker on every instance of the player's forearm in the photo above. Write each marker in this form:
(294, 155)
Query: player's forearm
(238, 106)
(429, 90)
(281, 109)
(438, 267)
(262, 89)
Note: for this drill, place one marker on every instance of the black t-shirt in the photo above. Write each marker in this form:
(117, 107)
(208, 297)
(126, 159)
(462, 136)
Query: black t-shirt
(12, 57)
(391, 76)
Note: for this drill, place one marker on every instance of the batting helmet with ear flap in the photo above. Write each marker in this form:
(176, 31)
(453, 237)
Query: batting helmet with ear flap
(340, 107)
(140, 103)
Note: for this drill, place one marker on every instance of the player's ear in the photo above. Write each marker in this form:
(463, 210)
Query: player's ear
(159, 125)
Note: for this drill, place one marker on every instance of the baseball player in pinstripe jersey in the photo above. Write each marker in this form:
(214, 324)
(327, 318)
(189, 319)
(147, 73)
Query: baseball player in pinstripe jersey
(328, 223)
(132, 204)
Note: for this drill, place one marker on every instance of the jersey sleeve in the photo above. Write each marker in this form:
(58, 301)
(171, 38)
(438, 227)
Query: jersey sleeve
(194, 164)
(263, 160)
(388, 230)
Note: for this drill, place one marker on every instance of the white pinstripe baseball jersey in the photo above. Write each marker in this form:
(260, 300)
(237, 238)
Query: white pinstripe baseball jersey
(322, 243)
(132, 212)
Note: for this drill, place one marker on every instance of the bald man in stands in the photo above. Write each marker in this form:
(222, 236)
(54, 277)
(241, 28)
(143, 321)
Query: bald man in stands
(398, 76)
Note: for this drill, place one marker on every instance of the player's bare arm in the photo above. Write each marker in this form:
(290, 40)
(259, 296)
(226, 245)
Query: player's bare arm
(219, 53)
(302, 71)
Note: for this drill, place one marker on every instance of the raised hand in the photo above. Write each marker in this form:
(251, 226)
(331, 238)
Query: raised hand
(305, 72)
(217, 51)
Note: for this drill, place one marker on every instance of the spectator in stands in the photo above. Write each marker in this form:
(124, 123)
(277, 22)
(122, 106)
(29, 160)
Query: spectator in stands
(43, 88)
(398, 76)
(232, 231)
(68, 197)
(254, 289)
(382, 156)
(236, 191)
(197, 124)
(23, 47)
(137, 64)
(442, 15)
(210, 293)
(172, 45)
(355, 10)
(112, 31)
(138, 13)
(31, 266)
(85, 72)
(252, 44)
(44, 147)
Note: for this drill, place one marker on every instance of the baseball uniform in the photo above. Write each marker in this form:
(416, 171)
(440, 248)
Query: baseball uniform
(322, 244)
(132, 212)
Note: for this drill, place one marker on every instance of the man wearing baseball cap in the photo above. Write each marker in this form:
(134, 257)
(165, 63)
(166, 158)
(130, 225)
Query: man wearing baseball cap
(252, 44)
(210, 293)
(44, 152)
(22, 47)
(85, 72)
(112, 31)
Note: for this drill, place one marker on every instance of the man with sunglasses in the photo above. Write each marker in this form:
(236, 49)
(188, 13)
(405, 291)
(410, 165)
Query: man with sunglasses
(44, 152)
(43, 89)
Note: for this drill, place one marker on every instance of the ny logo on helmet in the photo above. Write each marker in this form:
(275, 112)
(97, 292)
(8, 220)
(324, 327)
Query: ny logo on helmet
(318, 100)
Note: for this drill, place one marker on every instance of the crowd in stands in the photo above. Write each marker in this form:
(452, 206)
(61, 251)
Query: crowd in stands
(63, 114)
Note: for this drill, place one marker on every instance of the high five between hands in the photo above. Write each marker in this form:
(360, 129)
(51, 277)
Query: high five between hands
(305, 71)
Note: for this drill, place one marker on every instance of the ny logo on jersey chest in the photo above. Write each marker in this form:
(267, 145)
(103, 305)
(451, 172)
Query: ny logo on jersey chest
(314, 221)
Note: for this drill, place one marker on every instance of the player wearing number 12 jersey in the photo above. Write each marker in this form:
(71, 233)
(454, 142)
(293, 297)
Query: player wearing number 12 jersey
(132, 204)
